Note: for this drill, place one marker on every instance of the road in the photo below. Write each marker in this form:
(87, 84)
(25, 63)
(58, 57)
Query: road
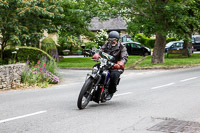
(144, 99)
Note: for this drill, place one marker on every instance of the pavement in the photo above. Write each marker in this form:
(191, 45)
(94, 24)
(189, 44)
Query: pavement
(147, 101)
(73, 56)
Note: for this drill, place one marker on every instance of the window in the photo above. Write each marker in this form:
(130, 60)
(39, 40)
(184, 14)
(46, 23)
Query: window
(197, 39)
(133, 45)
(138, 46)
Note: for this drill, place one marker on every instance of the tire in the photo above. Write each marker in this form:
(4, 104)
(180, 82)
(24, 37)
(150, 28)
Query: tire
(84, 96)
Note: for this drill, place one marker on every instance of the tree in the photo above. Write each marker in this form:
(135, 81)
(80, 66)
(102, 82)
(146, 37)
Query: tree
(190, 24)
(23, 21)
(78, 14)
(161, 18)
(75, 18)
(152, 17)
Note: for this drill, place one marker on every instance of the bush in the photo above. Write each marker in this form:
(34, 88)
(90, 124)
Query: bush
(7, 56)
(171, 39)
(40, 74)
(32, 54)
(90, 45)
(101, 37)
(148, 42)
(49, 46)
(140, 38)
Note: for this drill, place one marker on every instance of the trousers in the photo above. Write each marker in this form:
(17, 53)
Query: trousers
(114, 79)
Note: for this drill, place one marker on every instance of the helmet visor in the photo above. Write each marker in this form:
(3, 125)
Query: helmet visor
(112, 39)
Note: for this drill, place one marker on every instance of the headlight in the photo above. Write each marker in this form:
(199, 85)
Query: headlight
(94, 70)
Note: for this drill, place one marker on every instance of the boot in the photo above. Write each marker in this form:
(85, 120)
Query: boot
(109, 96)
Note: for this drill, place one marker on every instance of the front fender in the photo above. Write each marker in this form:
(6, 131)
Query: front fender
(94, 76)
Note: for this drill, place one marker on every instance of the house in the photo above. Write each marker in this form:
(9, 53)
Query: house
(117, 24)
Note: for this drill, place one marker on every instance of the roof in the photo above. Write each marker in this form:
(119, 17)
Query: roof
(111, 24)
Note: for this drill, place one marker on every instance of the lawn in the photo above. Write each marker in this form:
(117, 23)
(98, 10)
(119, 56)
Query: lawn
(172, 61)
(175, 60)
(86, 62)
(79, 62)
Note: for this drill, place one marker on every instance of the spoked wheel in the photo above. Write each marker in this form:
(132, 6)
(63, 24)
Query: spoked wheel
(85, 94)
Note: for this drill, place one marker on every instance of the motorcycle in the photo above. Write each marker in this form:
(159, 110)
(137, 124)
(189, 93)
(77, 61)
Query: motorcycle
(97, 83)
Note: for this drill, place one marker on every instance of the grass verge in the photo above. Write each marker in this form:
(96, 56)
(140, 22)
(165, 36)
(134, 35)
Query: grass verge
(174, 61)
(136, 62)
(79, 62)
(86, 62)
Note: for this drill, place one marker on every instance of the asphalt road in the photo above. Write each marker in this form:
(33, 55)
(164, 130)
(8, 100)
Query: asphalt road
(144, 98)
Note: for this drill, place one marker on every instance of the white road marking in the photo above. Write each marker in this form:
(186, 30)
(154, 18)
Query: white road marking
(188, 79)
(23, 116)
(162, 86)
(122, 94)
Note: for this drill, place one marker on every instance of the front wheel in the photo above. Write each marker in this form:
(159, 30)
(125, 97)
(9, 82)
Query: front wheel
(85, 94)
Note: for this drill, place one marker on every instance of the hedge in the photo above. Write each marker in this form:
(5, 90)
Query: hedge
(32, 54)
(149, 42)
(47, 44)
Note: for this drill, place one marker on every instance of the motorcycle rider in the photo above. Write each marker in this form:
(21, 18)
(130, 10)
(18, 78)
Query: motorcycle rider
(119, 52)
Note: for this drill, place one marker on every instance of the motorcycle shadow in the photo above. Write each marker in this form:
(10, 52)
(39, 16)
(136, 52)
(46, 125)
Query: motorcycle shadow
(103, 105)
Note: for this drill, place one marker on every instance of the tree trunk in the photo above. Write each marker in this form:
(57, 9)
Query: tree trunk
(2, 50)
(159, 49)
(187, 44)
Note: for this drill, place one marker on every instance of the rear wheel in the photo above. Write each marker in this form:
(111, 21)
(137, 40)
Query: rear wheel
(85, 94)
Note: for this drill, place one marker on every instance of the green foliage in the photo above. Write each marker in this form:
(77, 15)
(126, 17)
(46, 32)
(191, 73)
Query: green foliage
(140, 38)
(47, 44)
(62, 41)
(76, 18)
(171, 39)
(71, 43)
(90, 45)
(22, 21)
(32, 54)
(161, 18)
(149, 42)
(10, 56)
(101, 37)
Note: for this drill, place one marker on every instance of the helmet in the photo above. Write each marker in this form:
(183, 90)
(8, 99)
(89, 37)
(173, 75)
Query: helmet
(114, 34)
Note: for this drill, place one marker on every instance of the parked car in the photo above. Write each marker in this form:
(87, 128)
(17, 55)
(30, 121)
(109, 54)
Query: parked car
(175, 45)
(135, 48)
(196, 42)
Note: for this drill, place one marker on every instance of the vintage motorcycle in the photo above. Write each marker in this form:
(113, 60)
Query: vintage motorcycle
(96, 85)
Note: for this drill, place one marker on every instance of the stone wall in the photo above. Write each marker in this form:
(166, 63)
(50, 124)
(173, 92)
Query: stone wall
(10, 75)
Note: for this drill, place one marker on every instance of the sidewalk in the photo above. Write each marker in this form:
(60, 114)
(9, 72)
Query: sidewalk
(73, 56)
